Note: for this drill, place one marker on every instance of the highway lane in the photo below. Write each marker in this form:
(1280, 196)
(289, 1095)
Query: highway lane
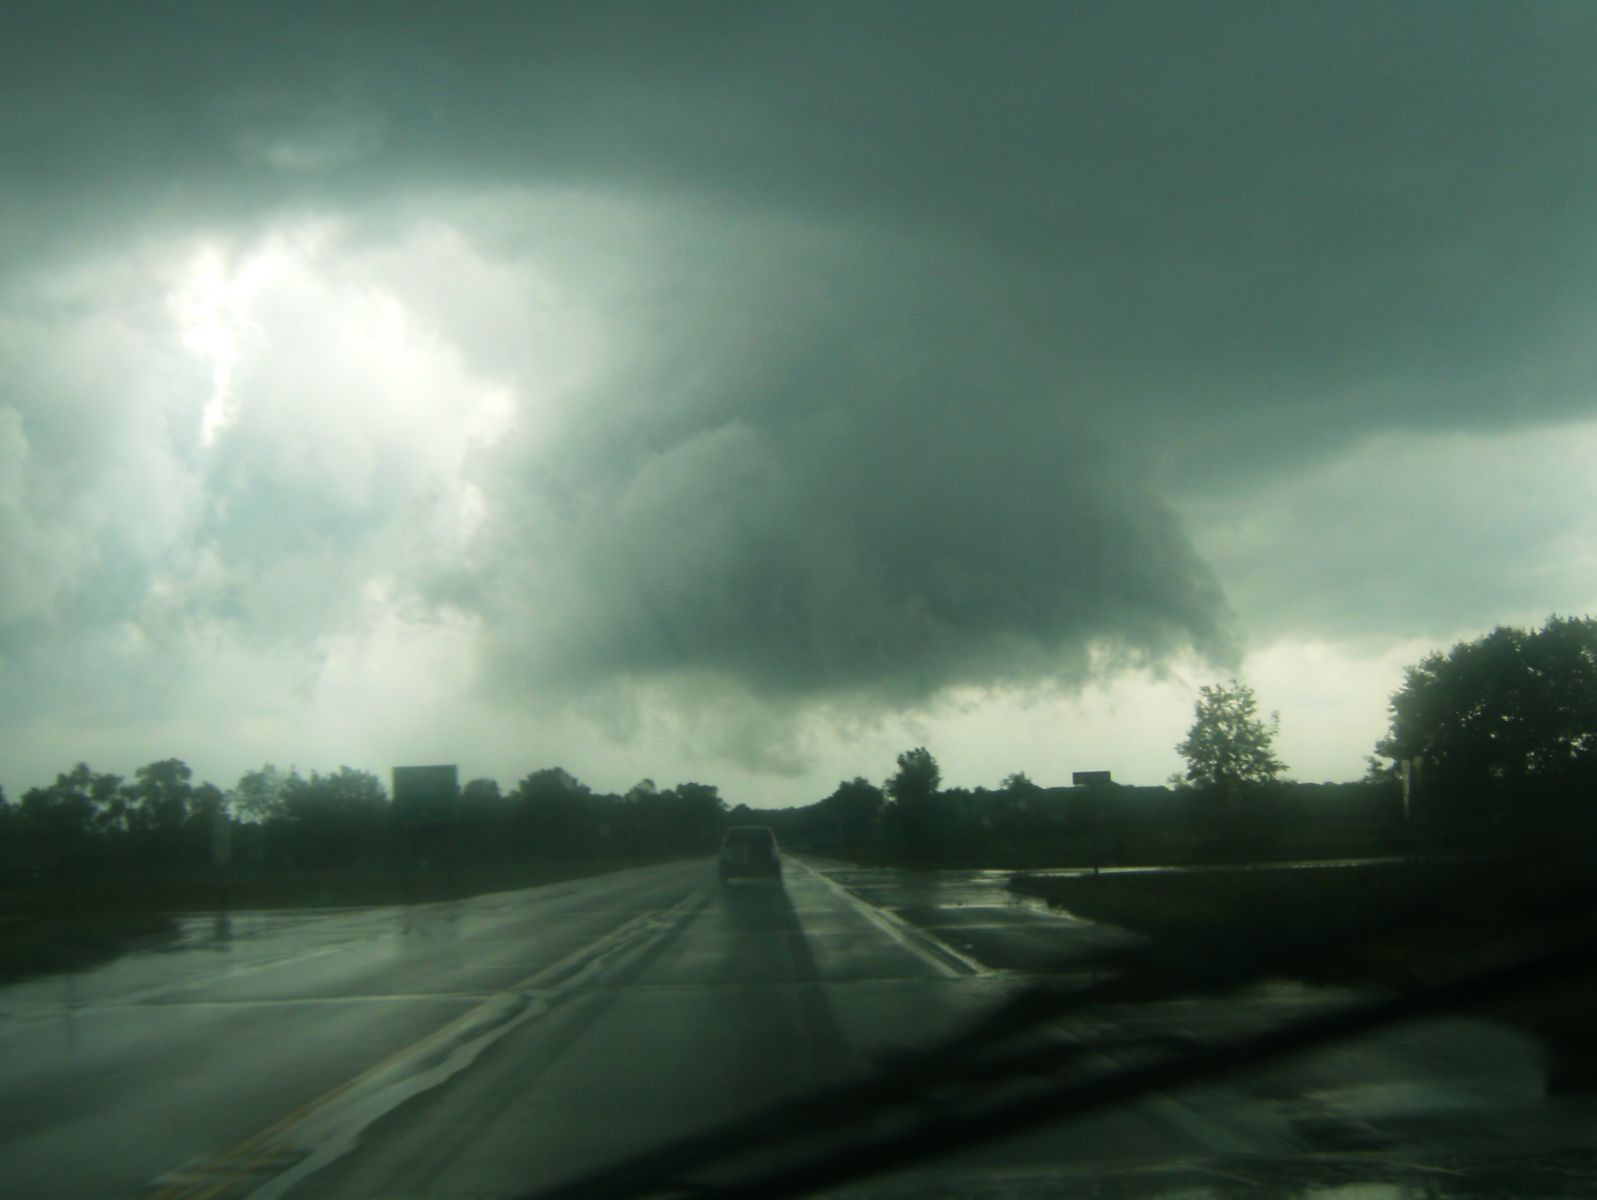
(113, 1077)
(506, 1042)
(760, 993)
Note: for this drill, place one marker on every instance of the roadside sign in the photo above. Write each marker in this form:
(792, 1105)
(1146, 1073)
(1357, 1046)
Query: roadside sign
(1086, 778)
(425, 795)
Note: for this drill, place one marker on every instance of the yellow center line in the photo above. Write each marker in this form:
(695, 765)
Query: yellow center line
(234, 1163)
(228, 1159)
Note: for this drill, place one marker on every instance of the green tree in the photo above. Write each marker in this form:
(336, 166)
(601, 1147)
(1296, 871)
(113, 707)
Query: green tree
(158, 805)
(59, 821)
(916, 817)
(555, 813)
(111, 802)
(1017, 815)
(1018, 783)
(853, 812)
(483, 808)
(1507, 719)
(161, 796)
(14, 858)
(481, 794)
(259, 794)
(338, 819)
(1228, 744)
(917, 778)
(692, 816)
(482, 821)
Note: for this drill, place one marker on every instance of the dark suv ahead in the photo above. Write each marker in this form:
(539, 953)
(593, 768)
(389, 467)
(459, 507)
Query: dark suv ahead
(750, 850)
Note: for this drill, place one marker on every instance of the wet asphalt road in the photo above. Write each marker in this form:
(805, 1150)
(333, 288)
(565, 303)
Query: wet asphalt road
(495, 1045)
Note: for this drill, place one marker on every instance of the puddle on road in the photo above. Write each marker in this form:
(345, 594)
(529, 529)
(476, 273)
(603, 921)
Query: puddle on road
(974, 913)
(921, 896)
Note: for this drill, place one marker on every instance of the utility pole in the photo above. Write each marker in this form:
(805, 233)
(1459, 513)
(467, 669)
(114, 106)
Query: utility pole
(1094, 782)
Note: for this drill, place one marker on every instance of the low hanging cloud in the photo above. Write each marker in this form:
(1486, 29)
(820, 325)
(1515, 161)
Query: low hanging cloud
(822, 481)
(873, 557)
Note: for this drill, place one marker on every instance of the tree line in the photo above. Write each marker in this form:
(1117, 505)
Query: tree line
(910, 818)
(1492, 742)
(162, 823)
(1492, 745)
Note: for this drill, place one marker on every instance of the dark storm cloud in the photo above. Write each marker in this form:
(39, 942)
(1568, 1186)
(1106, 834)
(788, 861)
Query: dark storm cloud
(914, 312)
(816, 469)
(1227, 211)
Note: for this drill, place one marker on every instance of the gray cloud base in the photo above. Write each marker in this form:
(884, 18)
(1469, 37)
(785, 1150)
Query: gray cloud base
(914, 322)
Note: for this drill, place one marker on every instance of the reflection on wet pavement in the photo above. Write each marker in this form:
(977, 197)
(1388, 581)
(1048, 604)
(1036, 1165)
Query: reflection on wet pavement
(975, 912)
(1450, 1106)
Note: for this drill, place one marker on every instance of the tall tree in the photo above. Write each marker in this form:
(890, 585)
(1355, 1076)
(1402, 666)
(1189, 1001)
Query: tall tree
(693, 814)
(59, 821)
(159, 802)
(1018, 783)
(339, 818)
(853, 812)
(482, 821)
(259, 794)
(1228, 743)
(916, 815)
(555, 813)
(164, 791)
(1512, 713)
(917, 777)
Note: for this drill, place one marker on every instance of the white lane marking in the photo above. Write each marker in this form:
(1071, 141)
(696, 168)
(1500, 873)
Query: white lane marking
(1176, 1112)
(933, 951)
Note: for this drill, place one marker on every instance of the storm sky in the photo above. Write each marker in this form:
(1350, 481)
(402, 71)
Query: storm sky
(748, 392)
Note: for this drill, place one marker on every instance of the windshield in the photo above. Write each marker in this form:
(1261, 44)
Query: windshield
(894, 597)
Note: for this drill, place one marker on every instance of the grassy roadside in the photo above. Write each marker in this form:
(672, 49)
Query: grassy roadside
(1183, 906)
(1412, 923)
(1396, 916)
(45, 945)
(47, 930)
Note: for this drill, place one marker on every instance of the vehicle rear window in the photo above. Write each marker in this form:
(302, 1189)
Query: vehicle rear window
(751, 836)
